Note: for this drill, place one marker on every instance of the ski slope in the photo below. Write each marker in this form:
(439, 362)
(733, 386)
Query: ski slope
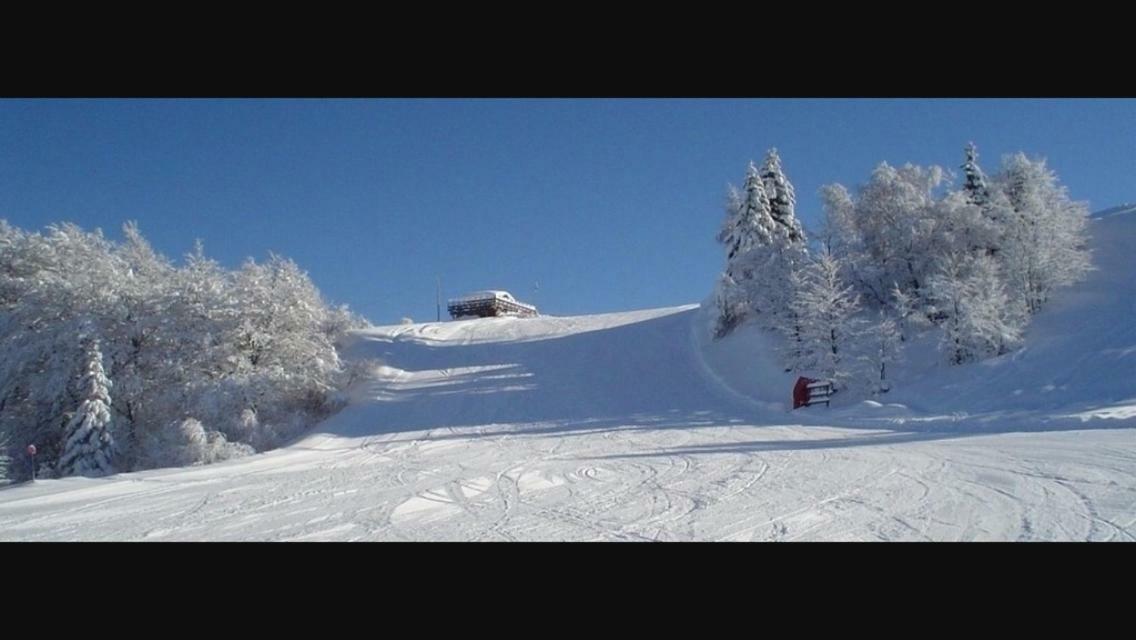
(630, 426)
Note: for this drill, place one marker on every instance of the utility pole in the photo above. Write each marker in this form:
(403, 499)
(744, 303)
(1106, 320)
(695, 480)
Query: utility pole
(438, 298)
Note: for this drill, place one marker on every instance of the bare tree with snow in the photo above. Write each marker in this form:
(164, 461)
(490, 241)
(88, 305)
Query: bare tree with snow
(1044, 240)
(828, 328)
(884, 348)
(977, 317)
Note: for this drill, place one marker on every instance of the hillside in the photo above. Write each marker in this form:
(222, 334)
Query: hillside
(631, 426)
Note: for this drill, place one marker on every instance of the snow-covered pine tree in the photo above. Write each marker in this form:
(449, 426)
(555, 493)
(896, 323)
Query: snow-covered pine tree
(729, 235)
(825, 309)
(788, 249)
(749, 222)
(748, 235)
(975, 186)
(782, 198)
(88, 446)
(987, 236)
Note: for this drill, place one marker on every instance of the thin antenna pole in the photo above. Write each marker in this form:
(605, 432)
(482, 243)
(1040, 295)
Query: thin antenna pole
(438, 298)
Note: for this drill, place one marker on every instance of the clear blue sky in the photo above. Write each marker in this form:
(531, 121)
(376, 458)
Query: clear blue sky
(608, 204)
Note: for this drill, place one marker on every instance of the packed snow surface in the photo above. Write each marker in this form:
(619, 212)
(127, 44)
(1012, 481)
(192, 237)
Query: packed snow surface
(634, 426)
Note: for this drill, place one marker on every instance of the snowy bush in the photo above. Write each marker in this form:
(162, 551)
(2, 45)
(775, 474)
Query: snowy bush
(187, 442)
(361, 369)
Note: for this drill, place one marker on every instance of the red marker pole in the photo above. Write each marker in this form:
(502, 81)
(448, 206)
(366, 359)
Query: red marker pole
(32, 452)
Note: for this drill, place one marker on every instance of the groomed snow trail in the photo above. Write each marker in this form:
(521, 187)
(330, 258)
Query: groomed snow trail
(597, 428)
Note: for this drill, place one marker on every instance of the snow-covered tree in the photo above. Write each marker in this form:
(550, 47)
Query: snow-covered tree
(730, 305)
(782, 198)
(903, 310)
(989, 235)
(825, 309)
(762, 249)
(191, 340)
(975, 186)
(1044, 237)
(133, 332)
(749, 222)
(839, 234)
(978, 319)
(890, 232)
(974, 261)
(885, 348)
(88, 445)
(963, 227)
(54, 283)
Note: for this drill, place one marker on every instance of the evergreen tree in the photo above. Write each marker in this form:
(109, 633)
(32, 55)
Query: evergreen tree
(749, 222)
(782, 198)
(975, 187)
(88, 446)
(761, 250)
(987, 237)
(748, 235)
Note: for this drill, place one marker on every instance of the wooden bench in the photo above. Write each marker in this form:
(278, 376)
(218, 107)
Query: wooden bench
(820, 391)
(807, 392)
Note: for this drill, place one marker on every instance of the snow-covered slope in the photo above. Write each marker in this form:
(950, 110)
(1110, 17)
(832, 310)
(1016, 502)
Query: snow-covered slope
(1114, 211)
(630, 426)
(618, 368)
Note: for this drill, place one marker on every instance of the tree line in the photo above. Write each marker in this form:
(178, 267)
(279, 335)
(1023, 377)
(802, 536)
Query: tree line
(902, 254)
(114, 358)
